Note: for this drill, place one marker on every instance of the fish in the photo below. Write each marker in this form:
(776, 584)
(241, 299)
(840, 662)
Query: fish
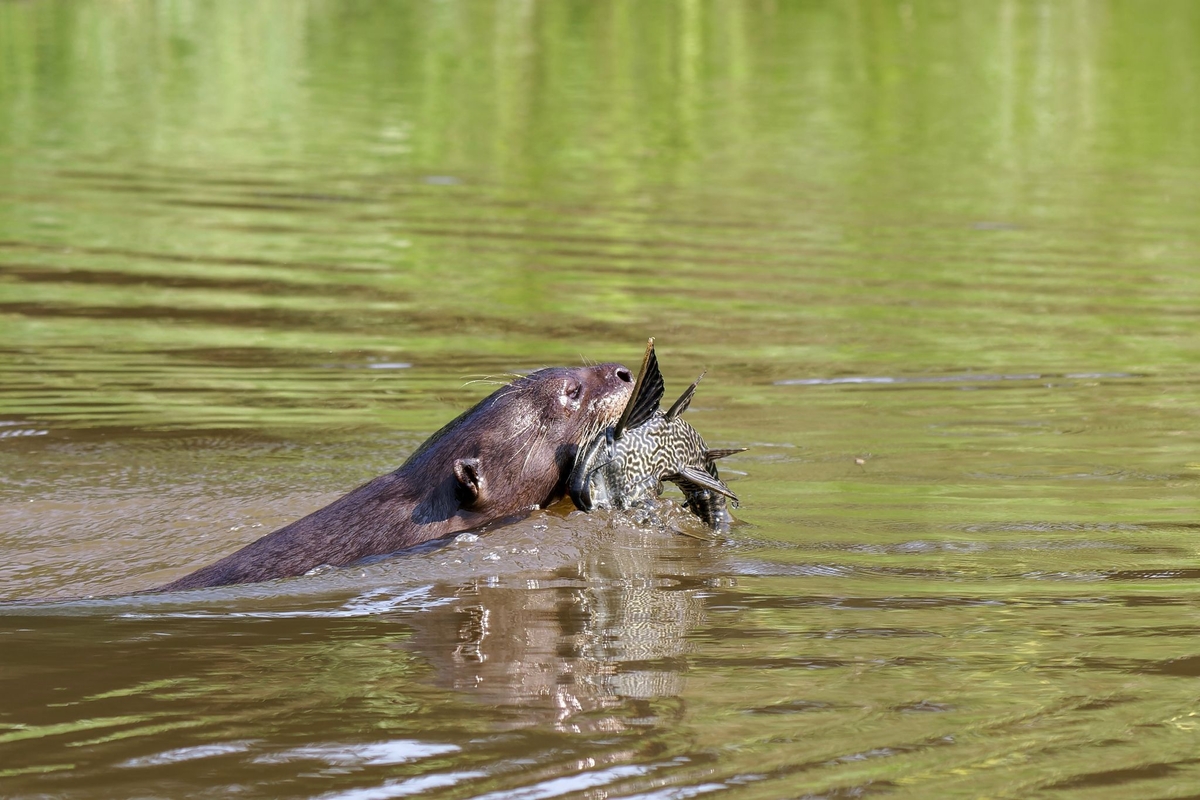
(625, 464)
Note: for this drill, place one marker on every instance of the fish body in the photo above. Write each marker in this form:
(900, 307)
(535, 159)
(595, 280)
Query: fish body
(626, 463)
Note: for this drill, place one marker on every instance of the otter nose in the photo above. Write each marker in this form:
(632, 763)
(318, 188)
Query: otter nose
(624, 375)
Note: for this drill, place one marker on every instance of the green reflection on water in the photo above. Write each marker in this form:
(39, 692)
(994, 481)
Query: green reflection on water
(252, 252)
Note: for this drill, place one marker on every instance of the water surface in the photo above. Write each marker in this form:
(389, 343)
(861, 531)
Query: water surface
(939, 261)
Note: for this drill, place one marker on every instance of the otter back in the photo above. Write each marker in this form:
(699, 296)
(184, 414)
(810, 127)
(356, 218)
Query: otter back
(508, 454)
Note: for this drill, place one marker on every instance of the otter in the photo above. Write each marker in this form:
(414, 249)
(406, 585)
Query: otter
(508, 454)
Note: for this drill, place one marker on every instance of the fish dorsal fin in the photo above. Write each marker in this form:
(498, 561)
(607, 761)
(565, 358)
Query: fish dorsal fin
(685, 399)
(647, 394)
(712, 455)
(702, 479)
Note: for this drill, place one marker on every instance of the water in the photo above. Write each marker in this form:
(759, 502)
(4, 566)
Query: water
(938, 259)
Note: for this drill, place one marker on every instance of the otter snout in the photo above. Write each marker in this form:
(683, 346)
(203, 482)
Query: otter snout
(610, 388)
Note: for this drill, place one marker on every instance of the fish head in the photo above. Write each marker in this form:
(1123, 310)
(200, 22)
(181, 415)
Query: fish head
(590, 484)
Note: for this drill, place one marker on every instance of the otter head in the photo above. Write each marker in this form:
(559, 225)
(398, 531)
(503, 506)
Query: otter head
(515, 448)
(535, 426)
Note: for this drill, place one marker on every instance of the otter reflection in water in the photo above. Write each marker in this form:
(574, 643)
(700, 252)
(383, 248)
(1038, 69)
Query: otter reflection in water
(507, 455)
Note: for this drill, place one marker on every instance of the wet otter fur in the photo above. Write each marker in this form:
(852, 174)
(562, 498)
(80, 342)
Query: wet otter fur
(508, 454)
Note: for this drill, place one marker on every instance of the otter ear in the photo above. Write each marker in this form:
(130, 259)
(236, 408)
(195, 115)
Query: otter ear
(470, 481)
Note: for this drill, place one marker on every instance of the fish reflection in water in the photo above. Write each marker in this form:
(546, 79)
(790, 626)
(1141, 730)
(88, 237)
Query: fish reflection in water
(602, 647)
(625, 464)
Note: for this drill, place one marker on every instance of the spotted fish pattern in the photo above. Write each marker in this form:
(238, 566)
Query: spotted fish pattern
(626, 463)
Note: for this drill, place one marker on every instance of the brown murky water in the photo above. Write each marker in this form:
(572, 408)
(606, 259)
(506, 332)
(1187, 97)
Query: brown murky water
(941, 262)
